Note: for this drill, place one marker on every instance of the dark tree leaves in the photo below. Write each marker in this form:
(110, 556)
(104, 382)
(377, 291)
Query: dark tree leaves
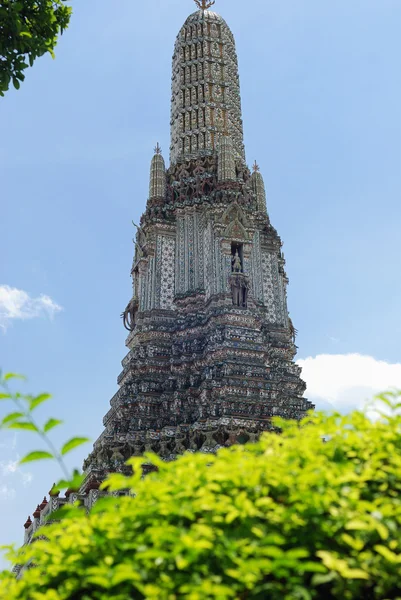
(28, 29)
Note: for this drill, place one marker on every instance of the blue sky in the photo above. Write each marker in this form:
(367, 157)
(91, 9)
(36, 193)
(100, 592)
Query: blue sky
(321, 96)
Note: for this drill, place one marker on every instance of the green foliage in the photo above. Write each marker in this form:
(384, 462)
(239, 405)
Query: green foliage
(37, 455)
(72, 444)
(28, 29)
(23, 419)
(312, 513)
(51, 424)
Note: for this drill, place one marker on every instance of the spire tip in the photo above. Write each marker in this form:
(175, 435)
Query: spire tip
(204, 4)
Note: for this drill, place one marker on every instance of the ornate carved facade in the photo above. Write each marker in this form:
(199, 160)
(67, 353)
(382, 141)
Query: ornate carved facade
(210, 344)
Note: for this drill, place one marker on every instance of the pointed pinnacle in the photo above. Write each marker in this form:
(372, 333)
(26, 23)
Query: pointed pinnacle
(204, 4)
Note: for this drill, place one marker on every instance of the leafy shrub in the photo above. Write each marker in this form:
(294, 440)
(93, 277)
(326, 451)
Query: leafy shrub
(312, 513)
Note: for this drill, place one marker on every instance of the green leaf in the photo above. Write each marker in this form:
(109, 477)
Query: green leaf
(55, 489)
(321, 579)
(104, 503)
(357, 524)
(9, 376)
(67, 512)
(73, 443)
(63, 484)
(26, 425)
(4, 396)
(38, 400)
(51, 424)
(12, 417)
(74, 483)
(36, 455)
(391, 557)
(77, 479)
(356, 574)
(303, 593)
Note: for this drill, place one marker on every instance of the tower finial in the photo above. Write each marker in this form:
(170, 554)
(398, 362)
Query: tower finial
(158, 150)
(256, 167)
(204, 4)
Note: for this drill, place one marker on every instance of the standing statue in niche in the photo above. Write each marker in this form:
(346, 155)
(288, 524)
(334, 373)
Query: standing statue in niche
(236, 291)
(236, 263)
(239, 289)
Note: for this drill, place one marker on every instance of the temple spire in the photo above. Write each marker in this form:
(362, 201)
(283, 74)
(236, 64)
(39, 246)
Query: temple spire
(205, 99)
(204, 4)
(157, 183)
(258, 187)
(208, 319)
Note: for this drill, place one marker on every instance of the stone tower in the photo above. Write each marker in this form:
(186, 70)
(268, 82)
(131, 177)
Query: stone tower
(210, 344)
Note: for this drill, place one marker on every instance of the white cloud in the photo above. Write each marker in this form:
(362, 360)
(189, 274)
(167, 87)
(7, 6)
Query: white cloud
(6, 492)
(9, 467)
(15, 477)
(27, 478)
(347, 381)
(12, 476)
(18, 304)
